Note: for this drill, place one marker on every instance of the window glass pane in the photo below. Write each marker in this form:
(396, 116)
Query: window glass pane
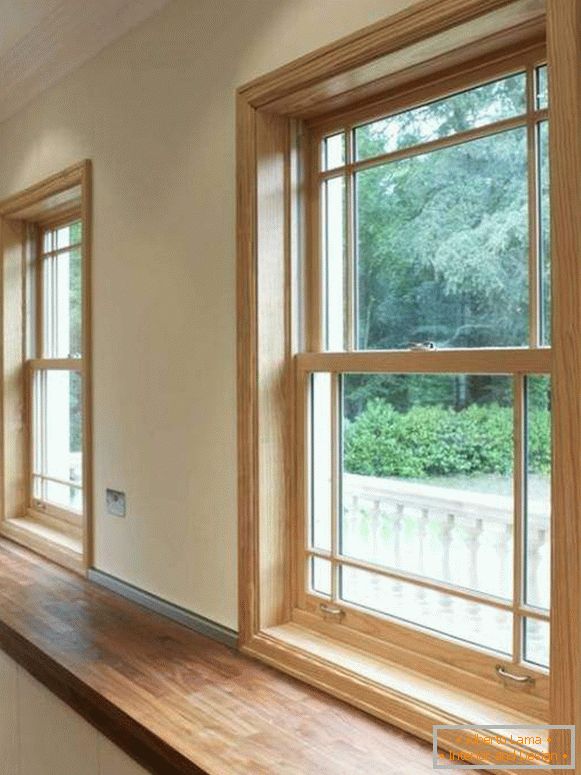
(334, 242)
(472, 622)
(537, 642)
(57, 436)
(334, 151)
(538, 493)
(427, 482)
(474, 108)
(63, 237)
(442, 242)
(545, 232)
(321, 461)
(321, 576)
(62, 495)
(542, 87)
(62, 286)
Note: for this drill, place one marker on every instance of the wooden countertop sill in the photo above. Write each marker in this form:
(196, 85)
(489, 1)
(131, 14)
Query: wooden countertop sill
(62, 544)
(176, 701)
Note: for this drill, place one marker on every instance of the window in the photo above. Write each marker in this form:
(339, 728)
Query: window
(55, 374)
(428, 488)
(46, 367)
(385, 608)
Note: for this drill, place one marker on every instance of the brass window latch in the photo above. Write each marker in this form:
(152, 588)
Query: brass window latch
(422, 346)
(521, 680)
(331, 611)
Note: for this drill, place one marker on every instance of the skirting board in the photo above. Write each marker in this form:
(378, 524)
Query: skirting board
(181, 615)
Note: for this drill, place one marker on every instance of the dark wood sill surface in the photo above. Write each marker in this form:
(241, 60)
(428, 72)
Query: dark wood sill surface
(175, 701)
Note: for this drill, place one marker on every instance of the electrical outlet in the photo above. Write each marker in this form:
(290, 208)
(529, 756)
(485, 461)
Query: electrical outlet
(116, 503)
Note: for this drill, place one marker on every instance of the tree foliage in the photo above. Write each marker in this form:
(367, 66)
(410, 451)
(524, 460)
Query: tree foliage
(442, 246)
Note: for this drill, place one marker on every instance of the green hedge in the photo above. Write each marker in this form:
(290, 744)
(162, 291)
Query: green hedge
(434, 441)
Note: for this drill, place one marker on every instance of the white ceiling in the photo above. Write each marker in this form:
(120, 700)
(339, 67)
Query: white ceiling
(43, 40)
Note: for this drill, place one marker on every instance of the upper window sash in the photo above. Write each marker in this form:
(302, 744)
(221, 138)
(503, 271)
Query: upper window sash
(471, 247)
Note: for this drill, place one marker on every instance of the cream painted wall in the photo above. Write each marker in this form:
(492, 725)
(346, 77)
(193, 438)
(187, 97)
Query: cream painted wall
(155, 113)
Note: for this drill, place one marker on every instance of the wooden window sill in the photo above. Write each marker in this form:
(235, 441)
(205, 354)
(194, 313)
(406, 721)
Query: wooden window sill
(60, 543)
(387, 690)
(174, 700)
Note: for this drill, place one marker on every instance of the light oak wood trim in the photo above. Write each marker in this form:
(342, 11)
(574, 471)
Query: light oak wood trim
(450, 74)
(363, 681)
(55, 201)
(56, 217)
(440, 658)
(18, 205)
(87, 339)
(247, 382)
(58, 545)
(14, 439)
(299, 537)
(315, 320)
(564, 57)
(493, 361)
(435, 145)
(356, 59)
(74, 216)
(58, 364)
(533, 206)
(274, 408)
(426, 583)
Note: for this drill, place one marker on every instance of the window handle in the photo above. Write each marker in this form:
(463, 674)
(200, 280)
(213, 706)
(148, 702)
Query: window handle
(331, 610)
(519, 679)
(422, 346)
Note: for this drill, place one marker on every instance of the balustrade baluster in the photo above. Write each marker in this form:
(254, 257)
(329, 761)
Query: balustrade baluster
(375, 531)
(503, 546)
(473, 541)
(447, 529)
(446, 601)
(535, 545)
(422, 533)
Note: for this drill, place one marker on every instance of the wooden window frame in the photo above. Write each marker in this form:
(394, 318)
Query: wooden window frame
(433, 39)
(516, 363)
(39, 361)
(57, 533)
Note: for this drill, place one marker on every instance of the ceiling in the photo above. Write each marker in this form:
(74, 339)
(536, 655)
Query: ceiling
(43, 40)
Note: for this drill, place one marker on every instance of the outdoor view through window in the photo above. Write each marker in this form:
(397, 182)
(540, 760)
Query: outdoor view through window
(429, 490)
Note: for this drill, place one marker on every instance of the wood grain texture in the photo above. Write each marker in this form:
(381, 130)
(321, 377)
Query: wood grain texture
(247, 375)
(363, 57)
(55, 191)
(503, 361)
(175, 701)
(564, 50)
(273, 293)
(457, 63)
(87, 334)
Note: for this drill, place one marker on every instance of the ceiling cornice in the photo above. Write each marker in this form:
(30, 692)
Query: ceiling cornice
(67, 36)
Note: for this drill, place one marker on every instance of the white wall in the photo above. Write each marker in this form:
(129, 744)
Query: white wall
(40, 735)
(155, 113)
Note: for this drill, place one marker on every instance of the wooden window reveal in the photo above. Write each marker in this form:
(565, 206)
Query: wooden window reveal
(426, 235)
(298, 355)
(47, 467)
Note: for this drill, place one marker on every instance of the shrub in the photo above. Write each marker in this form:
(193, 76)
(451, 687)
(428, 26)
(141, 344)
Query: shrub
(436, 441)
